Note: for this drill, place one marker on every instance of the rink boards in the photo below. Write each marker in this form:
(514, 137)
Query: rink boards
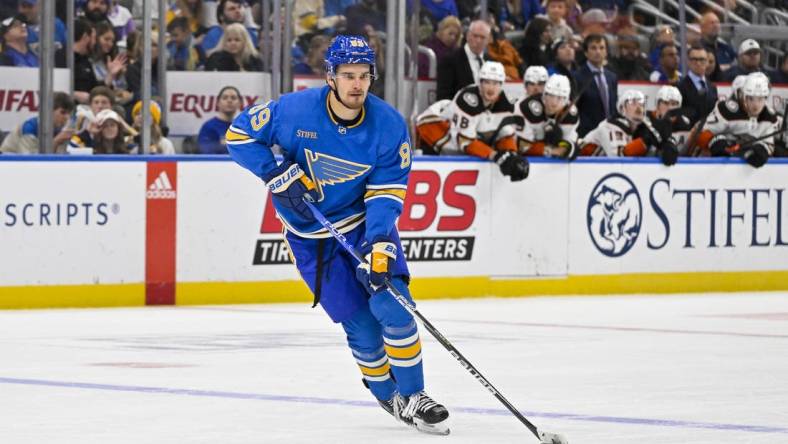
(120, 231)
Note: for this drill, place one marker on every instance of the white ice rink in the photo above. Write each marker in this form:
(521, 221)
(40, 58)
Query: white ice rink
(601, 370)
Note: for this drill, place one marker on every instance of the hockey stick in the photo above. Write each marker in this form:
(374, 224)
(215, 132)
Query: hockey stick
(779, 131)
(544, 437)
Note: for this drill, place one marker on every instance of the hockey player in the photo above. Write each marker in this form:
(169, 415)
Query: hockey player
(549, 121)
(535, 78)
(668, 113)
(349, 153)
(629, 133)
(479, 121)
(746, 130)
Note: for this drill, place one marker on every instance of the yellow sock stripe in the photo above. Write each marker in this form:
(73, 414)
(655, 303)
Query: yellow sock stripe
(388, 191)
(377, 371)
(403, 352)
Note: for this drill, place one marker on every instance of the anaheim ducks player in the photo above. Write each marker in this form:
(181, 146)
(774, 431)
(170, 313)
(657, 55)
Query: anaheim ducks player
(732, 128)
(479, 121)
(535, 78)
(629, 133)
(549, 121)
(668, 113)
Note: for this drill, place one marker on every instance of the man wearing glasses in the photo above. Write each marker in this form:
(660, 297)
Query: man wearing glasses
(698, 93)
(349, 153)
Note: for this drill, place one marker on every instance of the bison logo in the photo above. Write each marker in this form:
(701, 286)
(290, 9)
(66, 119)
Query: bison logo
(614, 215)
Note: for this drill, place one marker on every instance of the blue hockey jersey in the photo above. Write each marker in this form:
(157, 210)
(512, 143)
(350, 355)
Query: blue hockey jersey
(360, 171)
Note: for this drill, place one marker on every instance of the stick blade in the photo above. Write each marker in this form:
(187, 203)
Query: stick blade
(552, 438)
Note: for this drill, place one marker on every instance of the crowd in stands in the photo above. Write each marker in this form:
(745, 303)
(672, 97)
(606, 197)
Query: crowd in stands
(591, 42)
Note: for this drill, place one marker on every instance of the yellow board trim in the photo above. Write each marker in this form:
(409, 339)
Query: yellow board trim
(205, 293)
(408, 352)
(73, 296)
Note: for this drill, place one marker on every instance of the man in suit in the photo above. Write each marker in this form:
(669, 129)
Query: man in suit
(598, 100)
(461, 68)
(698, 93)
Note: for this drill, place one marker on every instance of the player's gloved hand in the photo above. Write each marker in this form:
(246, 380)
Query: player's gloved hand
(720, 145)
(512, 165)
(553, 134)
(566, 150)
(756, 155)
(668, 152)
(380, 256)
(290, 186)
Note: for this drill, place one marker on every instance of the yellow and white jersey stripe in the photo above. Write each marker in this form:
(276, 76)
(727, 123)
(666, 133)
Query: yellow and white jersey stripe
(395, 192)
(236, 136)
(403, 352)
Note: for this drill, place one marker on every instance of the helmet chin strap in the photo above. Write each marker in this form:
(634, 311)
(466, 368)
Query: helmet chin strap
(334, 89)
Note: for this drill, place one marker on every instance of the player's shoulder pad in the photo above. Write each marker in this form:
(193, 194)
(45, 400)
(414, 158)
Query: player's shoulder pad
(730, 110)
(469, 100)
(571, 117)
(767, 115)
(621, 123)
(532, 109)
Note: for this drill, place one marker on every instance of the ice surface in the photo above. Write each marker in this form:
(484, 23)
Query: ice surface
(635, 369)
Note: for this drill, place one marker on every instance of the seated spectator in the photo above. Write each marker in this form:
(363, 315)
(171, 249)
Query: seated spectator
(461, 68)
(710, 38)
(663, 36)
(514, 14)
(228, 12)
(713, 71)
(437, 10)
(84, 77)
(158, 143)
(378, 87)
(594, 21)
(366, 15)
(122, 21)
(110, 137)
(134, 71)
(24, 138)
(30, 10)
(185, 55)
(668, 69)
(445, 41)
(556, 13)
(16, 52)
(337, 7)
(537, 41)
(96, 11)
(109, 65)
(212, 132)
(502, 51)
(237, 52)
(749, 61)
(562, 54)
(313, 63)
(191, 10)
(101, 98)
(630, 63)
(780, 75)
(608, 6)
(309, 18)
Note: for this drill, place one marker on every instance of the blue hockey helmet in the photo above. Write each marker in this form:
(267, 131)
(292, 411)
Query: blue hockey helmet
(349, 49)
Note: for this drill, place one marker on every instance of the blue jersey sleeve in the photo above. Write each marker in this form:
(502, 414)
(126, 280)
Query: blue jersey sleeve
(386, 188)
(251, 136)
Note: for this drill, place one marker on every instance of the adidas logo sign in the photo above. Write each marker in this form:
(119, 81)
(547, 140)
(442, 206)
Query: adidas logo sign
(161, 188)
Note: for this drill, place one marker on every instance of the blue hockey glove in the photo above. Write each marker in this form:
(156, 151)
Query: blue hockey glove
(290, 186)
(380, 256)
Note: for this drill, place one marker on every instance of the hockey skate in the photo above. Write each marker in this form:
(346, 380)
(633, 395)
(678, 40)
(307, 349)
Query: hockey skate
(423, 413)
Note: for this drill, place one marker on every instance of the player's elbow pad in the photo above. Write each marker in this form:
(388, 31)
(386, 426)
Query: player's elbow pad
(637, 147)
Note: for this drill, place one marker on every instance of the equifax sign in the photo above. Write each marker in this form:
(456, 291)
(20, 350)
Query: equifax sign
(436, 224)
